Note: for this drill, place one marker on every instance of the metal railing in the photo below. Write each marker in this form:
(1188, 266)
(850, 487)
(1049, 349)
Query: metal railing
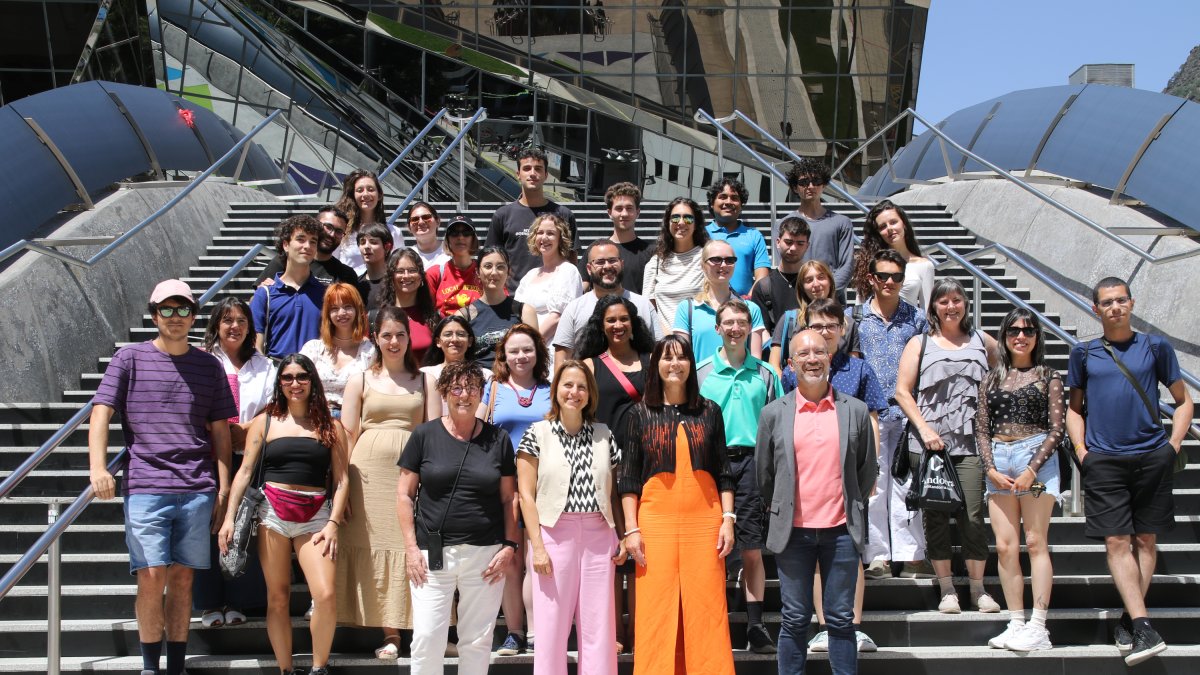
(48, 543)
(481, 113)
(412, 144)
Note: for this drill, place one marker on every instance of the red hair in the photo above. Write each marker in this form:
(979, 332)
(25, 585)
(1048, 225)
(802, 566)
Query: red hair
(342, 294)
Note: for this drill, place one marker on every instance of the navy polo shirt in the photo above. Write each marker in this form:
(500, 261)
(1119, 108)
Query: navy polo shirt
(295, 314)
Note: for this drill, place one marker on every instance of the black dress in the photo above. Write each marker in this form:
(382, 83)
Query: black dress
(614, 402)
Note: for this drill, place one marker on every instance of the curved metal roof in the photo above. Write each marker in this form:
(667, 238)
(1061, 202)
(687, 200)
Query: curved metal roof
(1138, 143)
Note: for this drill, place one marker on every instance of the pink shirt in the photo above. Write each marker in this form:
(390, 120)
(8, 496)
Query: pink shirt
(820, 502)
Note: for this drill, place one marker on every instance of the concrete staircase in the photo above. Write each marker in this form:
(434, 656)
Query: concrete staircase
(900, 614)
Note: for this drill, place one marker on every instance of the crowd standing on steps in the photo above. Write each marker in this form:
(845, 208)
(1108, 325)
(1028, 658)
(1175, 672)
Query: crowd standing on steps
(582, 435)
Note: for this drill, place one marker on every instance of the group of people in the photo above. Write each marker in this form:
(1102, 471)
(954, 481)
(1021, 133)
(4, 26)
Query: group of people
(447, 431)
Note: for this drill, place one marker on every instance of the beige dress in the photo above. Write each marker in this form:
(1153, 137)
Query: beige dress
(372, 583)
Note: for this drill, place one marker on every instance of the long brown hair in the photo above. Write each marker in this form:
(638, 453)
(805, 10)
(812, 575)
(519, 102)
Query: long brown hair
(872, 243)
(349, 204)
(653, 398)
(392, 313)
(802, 298)
(318, 408)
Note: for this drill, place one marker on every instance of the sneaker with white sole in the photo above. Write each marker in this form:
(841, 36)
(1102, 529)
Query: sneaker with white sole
(1010, 631)
(1146, 644)
(986, 604)
(878, 569)
(1123, 634)
(819, 643)
(1030, 638)
(864, 641)
(949, 604)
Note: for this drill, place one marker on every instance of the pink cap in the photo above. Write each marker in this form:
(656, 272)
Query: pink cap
(171, 288)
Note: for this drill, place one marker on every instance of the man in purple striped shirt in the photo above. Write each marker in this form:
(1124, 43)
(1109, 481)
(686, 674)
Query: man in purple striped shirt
(174, 402)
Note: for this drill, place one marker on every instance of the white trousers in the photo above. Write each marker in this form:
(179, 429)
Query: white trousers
(478, 604)
(894, 533)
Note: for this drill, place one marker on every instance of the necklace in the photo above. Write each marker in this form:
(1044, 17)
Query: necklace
(524, 401)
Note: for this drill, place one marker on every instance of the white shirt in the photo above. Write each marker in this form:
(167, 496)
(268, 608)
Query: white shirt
(334, 380)
(579, 310)
(918, 283)
(256, 381)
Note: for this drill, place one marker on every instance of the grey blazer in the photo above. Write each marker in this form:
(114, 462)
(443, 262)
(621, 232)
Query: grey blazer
(775, 457)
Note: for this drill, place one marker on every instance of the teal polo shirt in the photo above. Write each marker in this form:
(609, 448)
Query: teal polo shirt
(741, 393)
(700, 325)
(751, 251)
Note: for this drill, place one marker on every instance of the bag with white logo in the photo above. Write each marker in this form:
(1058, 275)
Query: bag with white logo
(939, 489)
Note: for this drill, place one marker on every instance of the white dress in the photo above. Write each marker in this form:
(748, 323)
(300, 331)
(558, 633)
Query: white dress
(918, 283)
(551, 293)
(334, 380)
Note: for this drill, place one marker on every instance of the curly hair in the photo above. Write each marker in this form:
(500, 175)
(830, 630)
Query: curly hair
(808, 166)
(348, 204)
(288, 227)
(541, 363)
(564, 235)
(727, 182)
(318, 407)
(460, 372)
(666, 243)
(593, 341)
(625, 189)
(872, 243)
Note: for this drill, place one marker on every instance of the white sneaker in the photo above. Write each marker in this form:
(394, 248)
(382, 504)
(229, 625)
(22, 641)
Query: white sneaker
(986, 604)
(819, 643)
(1010, 631)
(308, 613)
(949, 604)
(865, 643)
(1031, 638)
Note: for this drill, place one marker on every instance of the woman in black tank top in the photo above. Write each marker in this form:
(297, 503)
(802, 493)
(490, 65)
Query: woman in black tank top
(495, 311)
(299, 447)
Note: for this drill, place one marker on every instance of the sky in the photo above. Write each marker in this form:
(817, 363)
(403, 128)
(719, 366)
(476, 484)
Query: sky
(976, 50)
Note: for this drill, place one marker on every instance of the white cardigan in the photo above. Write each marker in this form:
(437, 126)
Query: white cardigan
(554, 472)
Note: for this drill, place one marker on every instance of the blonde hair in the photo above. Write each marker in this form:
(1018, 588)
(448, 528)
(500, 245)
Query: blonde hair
(564, 235)
(705, 294)
(801, 296)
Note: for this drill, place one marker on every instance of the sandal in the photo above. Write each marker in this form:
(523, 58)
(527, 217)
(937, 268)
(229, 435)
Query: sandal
(234, 618)
(390, 650)
(212, 618)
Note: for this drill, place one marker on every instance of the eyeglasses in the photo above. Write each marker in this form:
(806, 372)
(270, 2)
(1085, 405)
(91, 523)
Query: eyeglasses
(897, 277)
(333, 230)
(824, 327)
(606, 262)
(289, 378)
(1014, 331)
(417, 219)
(809, 182)
(407, 271)
(1122, 301)
(469, 390)
(721, 260)
(167, 312)
(683, 218)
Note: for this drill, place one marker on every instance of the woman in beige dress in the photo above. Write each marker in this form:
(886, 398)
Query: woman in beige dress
(380, 408)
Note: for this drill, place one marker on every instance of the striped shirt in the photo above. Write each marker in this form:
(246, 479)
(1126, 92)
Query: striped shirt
(166, 403)
(678, 279)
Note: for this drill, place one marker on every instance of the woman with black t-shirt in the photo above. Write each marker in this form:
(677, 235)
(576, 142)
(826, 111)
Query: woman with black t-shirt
(462, 537)
(495, 311)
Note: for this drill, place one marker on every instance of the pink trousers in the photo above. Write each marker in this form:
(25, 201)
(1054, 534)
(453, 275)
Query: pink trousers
(580, 589)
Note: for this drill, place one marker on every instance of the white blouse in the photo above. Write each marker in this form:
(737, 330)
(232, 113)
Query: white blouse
(256, 382)
(334, 380)
(551, 293)
(678, 280)
(918, 283)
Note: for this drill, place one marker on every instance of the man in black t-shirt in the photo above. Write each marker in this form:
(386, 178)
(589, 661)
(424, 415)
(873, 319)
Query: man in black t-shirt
(510, 223)
(324, 267)
(624, 204)
(775, 293)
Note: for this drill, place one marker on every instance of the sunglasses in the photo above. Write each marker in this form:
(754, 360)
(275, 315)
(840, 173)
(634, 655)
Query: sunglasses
(289, 378)
(168, 312)
(897, 277)
(809, 182)
(682, 218)
(417, 219)
(1014, 331)
(721, 260)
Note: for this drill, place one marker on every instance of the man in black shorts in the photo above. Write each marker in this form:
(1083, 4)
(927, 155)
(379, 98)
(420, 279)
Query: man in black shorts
(1128, 458)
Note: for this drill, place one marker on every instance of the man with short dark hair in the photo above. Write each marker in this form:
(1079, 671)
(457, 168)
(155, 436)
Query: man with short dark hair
(288, 312)
(1128, 457)
(776, 292)
(623, 202)
(175, 403)
(375, 243)
(832, 238)
(741, 386)
(325, 267)
(725, 200)
(510, 223)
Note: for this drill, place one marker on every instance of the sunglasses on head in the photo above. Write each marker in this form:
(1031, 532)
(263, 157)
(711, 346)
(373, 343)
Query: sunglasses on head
(288, 378)
(897, 277)
(721, 260)
(168, 312)
(1014, 331)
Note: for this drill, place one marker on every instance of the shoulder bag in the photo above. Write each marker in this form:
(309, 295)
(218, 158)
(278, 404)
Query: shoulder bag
(1181, 456)
(619, 376)
(245, 523)
(433, 540)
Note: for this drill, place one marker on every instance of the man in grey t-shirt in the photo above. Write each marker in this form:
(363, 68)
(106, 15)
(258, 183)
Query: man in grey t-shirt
(832, 235)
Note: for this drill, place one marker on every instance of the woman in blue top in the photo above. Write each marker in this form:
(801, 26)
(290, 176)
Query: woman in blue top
(696, 318)
(518, 396)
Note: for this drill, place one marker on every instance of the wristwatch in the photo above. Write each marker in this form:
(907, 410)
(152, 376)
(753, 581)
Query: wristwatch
(509, 543)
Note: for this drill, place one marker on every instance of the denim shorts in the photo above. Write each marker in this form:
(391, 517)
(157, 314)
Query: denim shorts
(1011, 458)
(268, 519)
(168, 529)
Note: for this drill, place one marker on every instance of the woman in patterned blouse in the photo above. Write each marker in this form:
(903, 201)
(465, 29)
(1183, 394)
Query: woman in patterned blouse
(565, 480)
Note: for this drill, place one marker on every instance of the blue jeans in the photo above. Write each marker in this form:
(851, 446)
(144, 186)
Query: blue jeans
(832, 549)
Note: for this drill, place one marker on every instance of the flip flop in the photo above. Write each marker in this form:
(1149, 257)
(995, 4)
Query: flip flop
(234, 618)
(213, 618)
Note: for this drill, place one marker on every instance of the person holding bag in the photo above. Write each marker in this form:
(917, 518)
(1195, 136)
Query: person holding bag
(945, 379)
(300, 446)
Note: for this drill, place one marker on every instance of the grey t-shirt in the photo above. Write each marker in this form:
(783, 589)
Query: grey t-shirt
(577, 312)
(831, 242)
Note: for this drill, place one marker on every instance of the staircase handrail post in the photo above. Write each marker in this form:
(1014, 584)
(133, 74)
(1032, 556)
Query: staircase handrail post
(719, 122)
(721, 130)
(481, 113)
(412, 144)
(54, 597)
(462, 163)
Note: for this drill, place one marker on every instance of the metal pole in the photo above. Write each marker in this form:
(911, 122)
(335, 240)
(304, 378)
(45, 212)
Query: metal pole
(462, 161)
(1076, 490)
(705, 118)
(977, 300)
(53, 598)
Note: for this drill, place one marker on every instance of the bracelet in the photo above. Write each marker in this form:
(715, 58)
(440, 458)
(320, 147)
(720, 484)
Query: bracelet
(730, 515)
(636, 529)
(509, 543)
(1079, 447)
(335, 522)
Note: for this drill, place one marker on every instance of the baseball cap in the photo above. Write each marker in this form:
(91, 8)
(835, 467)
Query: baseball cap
(171, 288)
(460, 221)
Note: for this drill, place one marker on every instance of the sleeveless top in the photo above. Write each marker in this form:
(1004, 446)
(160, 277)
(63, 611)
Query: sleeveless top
(612, 401)
(490, 323)
(948, 393)
(296, 460)
(392, 412)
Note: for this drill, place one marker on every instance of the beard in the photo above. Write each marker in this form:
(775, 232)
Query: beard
(597, 281)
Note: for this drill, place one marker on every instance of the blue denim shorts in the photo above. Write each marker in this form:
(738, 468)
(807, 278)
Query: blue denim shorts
(168, 529)
(1011, 458)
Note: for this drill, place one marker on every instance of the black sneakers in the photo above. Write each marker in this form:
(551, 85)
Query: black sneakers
(1123, 633)
(759, 640)
(1146, 644)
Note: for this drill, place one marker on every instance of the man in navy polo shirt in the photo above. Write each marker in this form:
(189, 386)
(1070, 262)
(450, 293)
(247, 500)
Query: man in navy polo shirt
(1127, 456)
(288, 312)
(725, 200)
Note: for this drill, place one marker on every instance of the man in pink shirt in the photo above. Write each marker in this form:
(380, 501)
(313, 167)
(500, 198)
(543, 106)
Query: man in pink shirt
(815, 456)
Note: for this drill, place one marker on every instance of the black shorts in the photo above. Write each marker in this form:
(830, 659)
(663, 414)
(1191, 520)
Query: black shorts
(748, 504)
(1129, 494)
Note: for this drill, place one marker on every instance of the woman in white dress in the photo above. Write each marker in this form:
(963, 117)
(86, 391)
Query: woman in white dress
(550, 287)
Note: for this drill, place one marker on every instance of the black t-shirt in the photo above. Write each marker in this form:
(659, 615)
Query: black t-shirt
(613, 401)
(775, 295)
(371, 291)
(490, 323)
(510, 230)
(476, 515)
(634, 256)
(326, 272)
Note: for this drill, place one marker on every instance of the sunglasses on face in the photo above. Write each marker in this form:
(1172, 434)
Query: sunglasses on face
(721, 260)
(683, 218)
(168, 312)
(809, 182)
(897, 277)
(417, 219)
(1014, 331)
(289, 378)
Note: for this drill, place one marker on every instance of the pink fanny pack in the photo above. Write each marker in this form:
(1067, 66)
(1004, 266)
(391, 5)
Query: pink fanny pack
(293, 506)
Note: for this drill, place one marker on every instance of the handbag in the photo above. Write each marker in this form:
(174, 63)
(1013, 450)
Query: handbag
(1181, 456)
(901, 464)
(245, 523)
(938, 488)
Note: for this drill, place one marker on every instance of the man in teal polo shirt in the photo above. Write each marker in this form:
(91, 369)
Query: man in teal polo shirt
(742, 385)
(725, 200)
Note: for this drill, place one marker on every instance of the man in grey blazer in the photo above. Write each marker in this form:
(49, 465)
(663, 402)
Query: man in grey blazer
(816, 463)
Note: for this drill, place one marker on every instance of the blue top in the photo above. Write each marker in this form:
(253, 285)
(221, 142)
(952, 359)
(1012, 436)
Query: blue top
(510, 416)
(1118, 422)
(750, 248)
(882, 343)
(703, 326)
(295, 314)
(852, 376)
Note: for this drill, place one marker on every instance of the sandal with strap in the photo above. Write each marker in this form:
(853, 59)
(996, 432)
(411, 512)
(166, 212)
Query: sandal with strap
(390, 651)
(213, 618)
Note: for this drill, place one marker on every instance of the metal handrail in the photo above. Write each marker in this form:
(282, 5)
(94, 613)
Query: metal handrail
(944, 139)
(116, 243)
(481, 113)
(412, 144)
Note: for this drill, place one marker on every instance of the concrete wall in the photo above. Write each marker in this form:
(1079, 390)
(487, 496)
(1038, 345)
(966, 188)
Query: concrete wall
(59, 318)
(1077, 257)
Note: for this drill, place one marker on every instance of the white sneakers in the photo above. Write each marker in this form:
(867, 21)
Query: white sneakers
(986, 604)
(1022, 638)
(1010, 631)
(949, 604)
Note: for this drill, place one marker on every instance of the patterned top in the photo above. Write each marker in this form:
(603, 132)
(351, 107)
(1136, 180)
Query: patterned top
(581, 492)
(1027, 403)
(671, 280)
(651, 443)
(948, 393)
(332, 379)
(882, 342)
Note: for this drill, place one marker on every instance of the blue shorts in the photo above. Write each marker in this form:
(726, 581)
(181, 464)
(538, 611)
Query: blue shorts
(169, 529)
(1011, 458)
